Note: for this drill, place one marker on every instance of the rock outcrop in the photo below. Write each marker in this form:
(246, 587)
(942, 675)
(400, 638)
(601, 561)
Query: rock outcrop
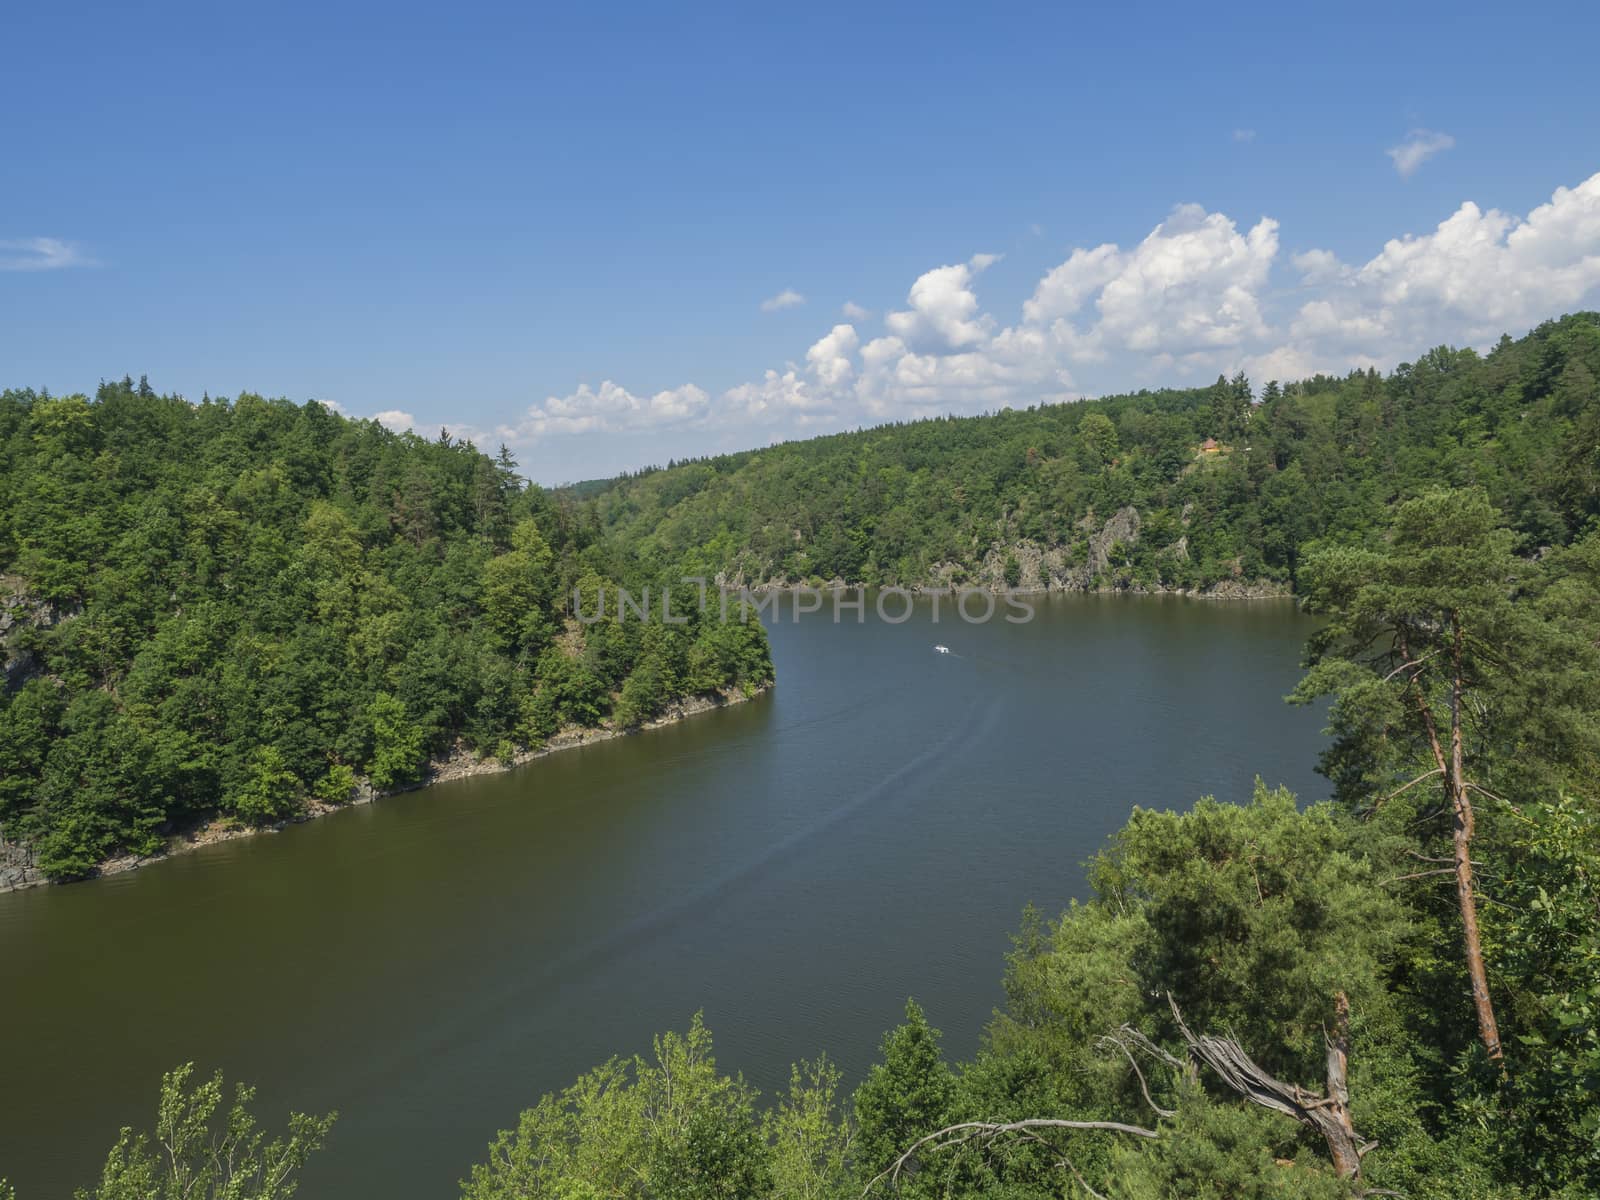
(16, 867)
(20, 614)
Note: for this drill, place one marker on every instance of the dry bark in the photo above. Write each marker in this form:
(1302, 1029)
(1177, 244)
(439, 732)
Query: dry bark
(1329, 1115)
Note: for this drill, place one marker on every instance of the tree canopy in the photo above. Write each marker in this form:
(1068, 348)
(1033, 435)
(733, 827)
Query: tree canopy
(251, 605)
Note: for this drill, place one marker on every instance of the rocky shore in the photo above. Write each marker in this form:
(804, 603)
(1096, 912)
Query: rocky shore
(17, 870)
(1088, 565)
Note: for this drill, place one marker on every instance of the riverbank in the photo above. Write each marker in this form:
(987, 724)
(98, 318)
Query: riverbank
(17, 871)
(1224, 589)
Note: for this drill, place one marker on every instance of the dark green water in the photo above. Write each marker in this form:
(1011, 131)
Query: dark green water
(795, 866)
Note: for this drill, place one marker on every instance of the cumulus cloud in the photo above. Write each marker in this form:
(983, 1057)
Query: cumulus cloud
(1244, 135)
(900, 383)
(609, 408)
(1419, 146)
(1319, 266)
(1064, 289)
(776, 396)
(944, 309)
(41, 254)
(1198, 295)
(788, 298)
(830, 358)
(1193, 286)
(1480, 273)
(854, 311)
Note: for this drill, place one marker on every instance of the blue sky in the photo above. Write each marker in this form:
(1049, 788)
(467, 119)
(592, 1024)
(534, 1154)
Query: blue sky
(558, 227)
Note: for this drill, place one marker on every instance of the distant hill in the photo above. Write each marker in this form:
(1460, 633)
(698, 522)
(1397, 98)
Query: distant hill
(1123, 492)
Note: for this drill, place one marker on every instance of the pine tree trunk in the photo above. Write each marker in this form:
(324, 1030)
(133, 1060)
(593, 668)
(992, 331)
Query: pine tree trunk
(1461, 838)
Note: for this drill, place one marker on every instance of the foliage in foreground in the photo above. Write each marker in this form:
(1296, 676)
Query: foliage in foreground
(1258, 915)
(673, 1127)
(201, 1151)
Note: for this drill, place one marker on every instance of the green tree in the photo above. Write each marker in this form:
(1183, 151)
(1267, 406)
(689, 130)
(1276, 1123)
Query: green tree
(398, 748)
(518, 586)
(1099, 436)
(1414, 628)
(908, 1094)
(1544, 937)
(1230, 407)
(667, 1126)
(719, 1155)
(337, 786)
(1218, 1152)
(270, 790)
(812, 1141)
(201, 1151)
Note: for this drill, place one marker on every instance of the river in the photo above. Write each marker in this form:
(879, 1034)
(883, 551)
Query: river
(795, 866)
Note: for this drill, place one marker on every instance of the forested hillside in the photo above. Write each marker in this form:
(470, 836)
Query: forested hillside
(1123, 492)
(240, 606)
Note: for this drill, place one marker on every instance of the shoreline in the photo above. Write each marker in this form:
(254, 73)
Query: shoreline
(1223, 590)
(459, 764)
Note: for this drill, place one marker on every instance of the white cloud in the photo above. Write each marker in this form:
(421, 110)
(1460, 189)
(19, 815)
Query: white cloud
(1063, 290)
(608, 409)
(1196, 296)
(1192, 286)
(830, 358)
(1477, 275)
(788, 298)
(775, 396)
(395, 419)
(481, 438)
(905, 384)
(400, 421)
(1420, 145)
(1244, 135)
(944, 310)
(41, 254)
(1319, 266)
(1284, 363)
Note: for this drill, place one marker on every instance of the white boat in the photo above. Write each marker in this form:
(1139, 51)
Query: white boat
(942, 649)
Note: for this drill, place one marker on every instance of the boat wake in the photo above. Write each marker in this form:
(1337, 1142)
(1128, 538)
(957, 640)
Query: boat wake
(543, 987)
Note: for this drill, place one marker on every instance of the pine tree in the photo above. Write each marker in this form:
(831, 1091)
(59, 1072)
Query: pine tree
(907, 1095)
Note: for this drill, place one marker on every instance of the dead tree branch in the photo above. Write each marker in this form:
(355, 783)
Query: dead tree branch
(1328, 1115)
(986, 1133)
(1119, 1040)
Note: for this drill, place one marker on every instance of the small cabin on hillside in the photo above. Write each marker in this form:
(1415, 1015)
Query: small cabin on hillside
(1210, 446)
